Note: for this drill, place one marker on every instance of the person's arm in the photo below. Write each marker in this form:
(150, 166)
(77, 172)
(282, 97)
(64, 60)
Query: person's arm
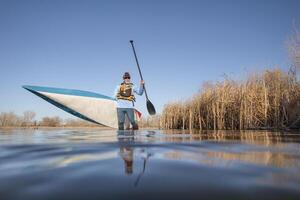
(140, 90)
(116, 91)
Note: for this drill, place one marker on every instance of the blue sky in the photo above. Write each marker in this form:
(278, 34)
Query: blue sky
(180, 44)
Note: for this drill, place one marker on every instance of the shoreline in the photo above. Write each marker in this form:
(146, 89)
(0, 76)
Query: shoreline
(141, 128)
(56, 127)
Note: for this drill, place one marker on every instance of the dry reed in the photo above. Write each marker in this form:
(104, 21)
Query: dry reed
(267, 100)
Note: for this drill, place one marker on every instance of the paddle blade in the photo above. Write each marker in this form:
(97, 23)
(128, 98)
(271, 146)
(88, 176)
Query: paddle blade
(150, 108)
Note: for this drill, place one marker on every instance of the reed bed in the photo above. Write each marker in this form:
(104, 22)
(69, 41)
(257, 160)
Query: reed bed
(269, 100)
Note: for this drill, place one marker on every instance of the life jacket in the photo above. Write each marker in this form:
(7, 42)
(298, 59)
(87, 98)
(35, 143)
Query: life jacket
(126, 92)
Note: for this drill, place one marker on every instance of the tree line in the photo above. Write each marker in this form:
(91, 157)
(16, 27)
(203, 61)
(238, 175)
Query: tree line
(27, 119)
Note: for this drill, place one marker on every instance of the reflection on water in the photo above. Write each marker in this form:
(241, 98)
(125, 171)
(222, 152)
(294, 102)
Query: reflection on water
(99, 164)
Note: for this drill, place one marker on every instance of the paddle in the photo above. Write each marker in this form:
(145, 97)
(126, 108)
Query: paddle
(150, 106)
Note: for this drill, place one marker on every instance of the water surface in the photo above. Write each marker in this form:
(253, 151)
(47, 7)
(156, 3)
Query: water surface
(97, 164)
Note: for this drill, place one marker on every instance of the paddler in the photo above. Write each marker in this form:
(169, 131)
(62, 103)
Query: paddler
(124, 94)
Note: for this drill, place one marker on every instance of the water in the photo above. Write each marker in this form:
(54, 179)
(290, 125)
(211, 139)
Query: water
(96, 164)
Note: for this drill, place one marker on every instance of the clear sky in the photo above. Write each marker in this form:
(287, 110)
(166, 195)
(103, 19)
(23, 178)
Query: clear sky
(180, 44)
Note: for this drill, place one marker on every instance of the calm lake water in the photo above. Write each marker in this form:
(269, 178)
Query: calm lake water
(96, 164)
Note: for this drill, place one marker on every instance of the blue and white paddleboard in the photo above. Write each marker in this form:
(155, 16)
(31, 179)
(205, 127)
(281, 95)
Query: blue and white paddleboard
(90, 106)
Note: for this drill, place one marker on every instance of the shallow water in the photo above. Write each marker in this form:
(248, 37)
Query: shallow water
(96, 164)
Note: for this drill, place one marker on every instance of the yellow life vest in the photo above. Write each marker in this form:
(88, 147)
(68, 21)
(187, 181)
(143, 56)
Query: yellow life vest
(126, 92)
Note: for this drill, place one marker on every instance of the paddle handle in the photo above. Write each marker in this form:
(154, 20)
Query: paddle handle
(138, 65)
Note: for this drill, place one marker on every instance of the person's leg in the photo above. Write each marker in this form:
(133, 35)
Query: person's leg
(127, 123)
(130, 114)
(121, 118)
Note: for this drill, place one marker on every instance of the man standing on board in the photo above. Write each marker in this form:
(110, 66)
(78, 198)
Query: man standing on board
(124, 94)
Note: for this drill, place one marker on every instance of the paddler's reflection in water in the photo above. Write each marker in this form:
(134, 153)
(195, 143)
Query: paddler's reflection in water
(127, 154)
(126, 151)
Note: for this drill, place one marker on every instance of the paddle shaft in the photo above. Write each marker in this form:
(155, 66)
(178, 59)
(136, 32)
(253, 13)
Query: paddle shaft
(138, 65)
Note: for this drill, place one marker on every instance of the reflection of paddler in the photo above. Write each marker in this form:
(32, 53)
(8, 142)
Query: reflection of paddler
(126, 154)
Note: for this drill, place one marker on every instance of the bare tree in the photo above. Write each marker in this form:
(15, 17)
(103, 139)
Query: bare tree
(9, 119)
(28, 118)
(294, 47)
(51, 121)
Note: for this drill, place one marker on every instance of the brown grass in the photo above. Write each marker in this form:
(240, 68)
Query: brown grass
(266, 100)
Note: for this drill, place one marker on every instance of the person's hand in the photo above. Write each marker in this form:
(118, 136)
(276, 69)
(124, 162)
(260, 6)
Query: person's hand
(142, 82)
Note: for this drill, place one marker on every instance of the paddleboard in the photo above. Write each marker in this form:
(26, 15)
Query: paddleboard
(90, 106)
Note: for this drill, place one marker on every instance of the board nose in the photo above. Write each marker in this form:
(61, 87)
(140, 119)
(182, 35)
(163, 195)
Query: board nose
(29, 88)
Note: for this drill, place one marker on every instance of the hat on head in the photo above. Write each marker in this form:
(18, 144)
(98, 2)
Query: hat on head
(126, 75)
